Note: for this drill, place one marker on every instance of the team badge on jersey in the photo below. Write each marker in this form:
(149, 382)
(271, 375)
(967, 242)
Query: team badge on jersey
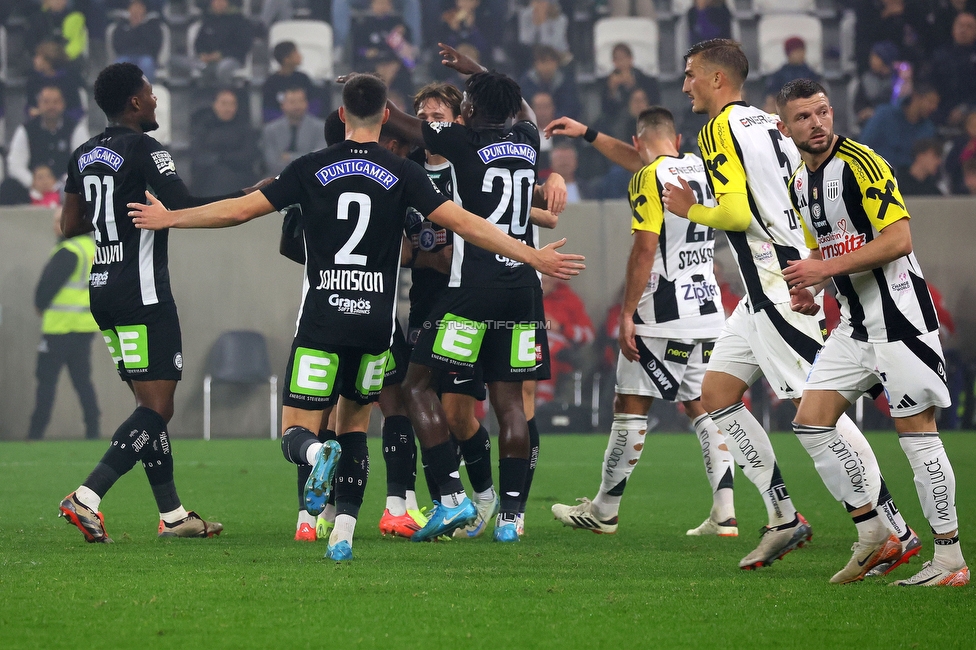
(832, 190)
(164, 162)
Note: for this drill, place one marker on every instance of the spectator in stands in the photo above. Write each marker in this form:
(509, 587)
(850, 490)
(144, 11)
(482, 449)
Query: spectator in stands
(453, 76)
(138, 39)
(954, 70)
(224, 147)
(45, 191)
(898, 21)
(51, 68)
(565, 162)
(622, 126)
(55, 19)
(569, 327)
(543, 23)
(223, 43)
(342, 19)
(545, 109)
(709, 19)
(47, 139)
(294, 134)
(389, 67)
(795, 68)
(380, 33)
(969, 176)
(624, 79)
(547, 75)
(922, 178)
(963, 149)
(287, 76)
(886, 81)
(459, 24)
(941, 18)
(894, 129)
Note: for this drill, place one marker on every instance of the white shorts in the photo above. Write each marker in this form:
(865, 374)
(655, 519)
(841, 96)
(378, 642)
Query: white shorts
(912, 371)
(668, 369)
(776, 342)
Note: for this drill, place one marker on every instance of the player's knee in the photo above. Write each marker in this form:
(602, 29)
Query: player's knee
(295, 442)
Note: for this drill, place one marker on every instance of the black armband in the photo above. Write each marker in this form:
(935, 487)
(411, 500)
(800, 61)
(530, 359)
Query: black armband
(590, 134)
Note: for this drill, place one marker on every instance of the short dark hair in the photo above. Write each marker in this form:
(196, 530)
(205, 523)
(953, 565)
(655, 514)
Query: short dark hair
(364, 96)
(51, 86)
(622, 47)
(283, 50)
(545, 53)
(724, 53)
(797, 89)
(115, 86)
(445, 93)
(335, 130)
(927, 144)
(655, 117)
(495, 96)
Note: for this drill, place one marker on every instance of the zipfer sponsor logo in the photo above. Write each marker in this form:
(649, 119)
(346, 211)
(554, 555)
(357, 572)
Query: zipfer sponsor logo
(100, 155)
(356, 167)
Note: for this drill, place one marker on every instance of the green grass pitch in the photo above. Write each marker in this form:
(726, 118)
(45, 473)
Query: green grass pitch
(647, 586)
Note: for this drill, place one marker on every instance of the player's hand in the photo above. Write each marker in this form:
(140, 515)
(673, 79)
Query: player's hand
(558, 265)
(461, 62)
(679, 198)
(564, 126)
(801, 274)
(153, 216)
(555, 193)
(627, 338)
(802, 301)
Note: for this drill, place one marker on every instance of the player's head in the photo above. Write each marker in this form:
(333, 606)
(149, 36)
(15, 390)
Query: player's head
(364, 101)
(806, 116)
(335, 130)
(712, 66)
(125, 95)
(438, 102)
(655, 127)
(490, 98)
(391, 142)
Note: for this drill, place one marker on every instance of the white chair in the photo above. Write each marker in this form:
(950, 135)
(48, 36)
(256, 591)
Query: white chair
(641, 34)
(4, 70)
(240, 357)
(313, 39)
(164, 114)
(245, 73)
(165, 48)
(773, 30)
(784, 6)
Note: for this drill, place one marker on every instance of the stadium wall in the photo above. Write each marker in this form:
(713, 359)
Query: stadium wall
(234, 279)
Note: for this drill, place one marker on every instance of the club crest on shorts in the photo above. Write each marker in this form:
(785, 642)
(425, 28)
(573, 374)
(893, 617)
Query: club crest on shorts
(832, 190)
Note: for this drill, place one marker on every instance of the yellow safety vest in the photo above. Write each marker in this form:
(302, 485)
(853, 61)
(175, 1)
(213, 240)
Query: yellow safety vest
(70, 311)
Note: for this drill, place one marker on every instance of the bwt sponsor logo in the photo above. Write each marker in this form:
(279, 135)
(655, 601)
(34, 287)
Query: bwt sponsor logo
(109, 254)
(658, 373)
(507, 150)
(356, 167)
(350, 305)
(350, 280)
(100, 155)
(98, 279)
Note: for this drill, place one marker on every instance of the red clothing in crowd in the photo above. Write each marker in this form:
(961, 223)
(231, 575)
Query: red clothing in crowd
(568, 325)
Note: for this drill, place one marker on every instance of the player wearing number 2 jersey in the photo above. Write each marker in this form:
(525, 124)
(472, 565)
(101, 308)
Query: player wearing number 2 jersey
(748, 162)
(130, 295)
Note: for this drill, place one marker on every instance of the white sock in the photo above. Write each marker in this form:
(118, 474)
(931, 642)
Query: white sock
(623, 451)
(174, 516)
(487, 495)
(312, 452)
(859, 444)
(453, 500)
(87, 497)
(719, 467)
(948, 553)
(753, 453)
(412, 500)
(305, 518)
(345, 526)
(934, 479)
(329, 514)
(846, 473)
(396, 505)
(871, 530)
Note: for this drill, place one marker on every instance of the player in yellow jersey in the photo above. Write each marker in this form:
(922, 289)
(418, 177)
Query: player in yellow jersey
(854, 220)
(749, 163)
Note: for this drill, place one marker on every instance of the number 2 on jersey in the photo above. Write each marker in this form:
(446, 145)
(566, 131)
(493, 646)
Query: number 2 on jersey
(345, 254)
(516, 192)
(100, 191)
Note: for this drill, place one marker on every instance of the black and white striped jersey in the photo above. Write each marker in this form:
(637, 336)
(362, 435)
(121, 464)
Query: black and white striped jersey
(844, 205)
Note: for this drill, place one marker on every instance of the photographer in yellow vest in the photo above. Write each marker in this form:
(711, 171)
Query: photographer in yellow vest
(67, 330)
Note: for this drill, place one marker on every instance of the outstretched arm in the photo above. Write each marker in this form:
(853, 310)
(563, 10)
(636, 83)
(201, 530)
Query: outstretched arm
(222, 214)
(615, 150)
(466, 65)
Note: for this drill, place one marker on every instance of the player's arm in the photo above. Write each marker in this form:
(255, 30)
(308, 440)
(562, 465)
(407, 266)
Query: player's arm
(732, 212)
(639, 266)
(73, 221)
(543, 218)
(551, 195)
(615, 150)
(222, 214)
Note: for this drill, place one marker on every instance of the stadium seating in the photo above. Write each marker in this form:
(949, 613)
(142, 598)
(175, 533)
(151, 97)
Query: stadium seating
(239, 357)
(774, 29)
(165, 50)
(245, 73)
(641, 34)
(314, 41)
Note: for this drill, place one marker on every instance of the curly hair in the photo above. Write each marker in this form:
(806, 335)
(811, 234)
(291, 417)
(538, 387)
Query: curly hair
(494, 96)
(115, 86)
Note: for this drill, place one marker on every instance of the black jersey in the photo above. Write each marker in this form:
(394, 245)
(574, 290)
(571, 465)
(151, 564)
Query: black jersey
(354, 198)
(495, 172)
(112, 169)
(428, 284)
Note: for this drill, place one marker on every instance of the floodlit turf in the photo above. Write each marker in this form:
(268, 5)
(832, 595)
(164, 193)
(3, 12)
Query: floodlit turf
(647, 586)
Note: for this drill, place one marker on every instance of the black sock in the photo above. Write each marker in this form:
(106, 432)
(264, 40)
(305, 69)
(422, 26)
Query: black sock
(351, 473)
(304, 471)
(511, 483)
(158, 463)
(295, 442)
(476, 452)
(533, 460)
(435, 492)
(398, 455)
(128, 446)
(441, 462)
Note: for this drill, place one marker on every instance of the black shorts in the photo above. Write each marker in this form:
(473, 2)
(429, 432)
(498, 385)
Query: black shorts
(396, 370)
(452, 382)
(145, 342)
(316, 377)
(541, 339)
(495, 328)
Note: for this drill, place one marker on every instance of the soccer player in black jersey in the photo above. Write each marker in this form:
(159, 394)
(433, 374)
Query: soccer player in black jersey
(353, 197)
(130, 295)
(488, 313)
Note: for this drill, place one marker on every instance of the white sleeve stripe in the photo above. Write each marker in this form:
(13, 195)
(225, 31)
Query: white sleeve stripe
(147, 270)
